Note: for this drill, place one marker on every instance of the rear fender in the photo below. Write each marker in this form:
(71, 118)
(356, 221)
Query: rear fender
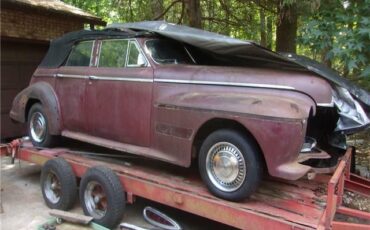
(44, 93)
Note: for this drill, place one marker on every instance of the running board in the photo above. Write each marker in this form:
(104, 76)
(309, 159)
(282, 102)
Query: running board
(122, 147)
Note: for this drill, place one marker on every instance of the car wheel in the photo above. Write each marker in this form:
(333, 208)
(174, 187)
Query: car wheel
(102, 196)
(58, 184)
(230, 165)
(38, 127)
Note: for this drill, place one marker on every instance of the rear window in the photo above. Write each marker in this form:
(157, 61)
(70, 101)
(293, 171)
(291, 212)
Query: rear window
(80, 54)
(113, 53)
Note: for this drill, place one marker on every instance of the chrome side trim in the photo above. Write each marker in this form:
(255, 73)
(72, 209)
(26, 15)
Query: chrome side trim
(120, 79)
(221, 83)
(331, 104)
(325, 104)
(72, 76)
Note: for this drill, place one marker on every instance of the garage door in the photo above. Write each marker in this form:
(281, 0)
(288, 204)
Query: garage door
(18, 61)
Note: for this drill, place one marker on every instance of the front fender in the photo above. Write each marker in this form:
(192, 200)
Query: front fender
(271, 104)
(277, 119)
(44, 93)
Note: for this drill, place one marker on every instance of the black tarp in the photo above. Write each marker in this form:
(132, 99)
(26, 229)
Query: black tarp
(228, 50)
(244, 51)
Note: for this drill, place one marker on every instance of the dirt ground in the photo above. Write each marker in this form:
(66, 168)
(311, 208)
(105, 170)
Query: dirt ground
(362, 143)
(22, 205)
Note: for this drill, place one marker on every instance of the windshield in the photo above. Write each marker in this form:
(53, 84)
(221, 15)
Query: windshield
(168, 52)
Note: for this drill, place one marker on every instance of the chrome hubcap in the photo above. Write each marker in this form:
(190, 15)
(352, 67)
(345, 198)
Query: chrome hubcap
(52, 188)
(95, 200)
(226, 167)
(38, 127)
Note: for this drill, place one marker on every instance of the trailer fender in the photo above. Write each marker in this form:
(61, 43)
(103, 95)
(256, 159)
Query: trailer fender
(45, 94)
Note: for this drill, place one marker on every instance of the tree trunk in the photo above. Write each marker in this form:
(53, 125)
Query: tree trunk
(193, 13)
(325, 61)
(263, 28)
(269, 32)
(286, 28)
(157, 9)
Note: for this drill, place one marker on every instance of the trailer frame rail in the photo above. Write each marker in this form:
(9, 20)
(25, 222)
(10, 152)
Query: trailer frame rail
(295, 208)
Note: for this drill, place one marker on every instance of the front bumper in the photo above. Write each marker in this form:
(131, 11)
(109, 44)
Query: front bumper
(295, 170)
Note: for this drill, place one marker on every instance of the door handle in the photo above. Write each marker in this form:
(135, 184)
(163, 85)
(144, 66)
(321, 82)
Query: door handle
(92, 78)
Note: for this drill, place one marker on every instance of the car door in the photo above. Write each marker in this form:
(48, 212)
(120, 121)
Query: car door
(119, 93)
(71, 83)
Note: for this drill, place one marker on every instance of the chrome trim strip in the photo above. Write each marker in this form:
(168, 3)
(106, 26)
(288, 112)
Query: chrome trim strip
(72, 76)
(221, 83)
(120, 79)
(325, 104)
(331, 104)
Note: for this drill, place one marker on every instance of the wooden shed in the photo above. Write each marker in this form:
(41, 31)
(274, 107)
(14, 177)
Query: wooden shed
(27, 27)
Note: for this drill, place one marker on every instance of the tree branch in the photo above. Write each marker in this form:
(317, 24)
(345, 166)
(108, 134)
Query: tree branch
(167, 9)
(228, 22)
(182, 12)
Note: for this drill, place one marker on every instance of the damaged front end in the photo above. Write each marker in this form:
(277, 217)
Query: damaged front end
(327, 131)
(352, 117)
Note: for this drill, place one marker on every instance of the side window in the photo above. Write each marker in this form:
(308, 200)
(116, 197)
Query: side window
(113, 53)
(80, 54)
(135, 58)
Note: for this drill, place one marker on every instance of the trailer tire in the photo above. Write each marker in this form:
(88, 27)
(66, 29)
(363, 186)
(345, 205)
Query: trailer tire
(58, 184)
(230, 164)
(102, 196)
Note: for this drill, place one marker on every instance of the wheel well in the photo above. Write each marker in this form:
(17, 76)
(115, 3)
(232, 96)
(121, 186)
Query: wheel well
(29, 104)
(216, 124)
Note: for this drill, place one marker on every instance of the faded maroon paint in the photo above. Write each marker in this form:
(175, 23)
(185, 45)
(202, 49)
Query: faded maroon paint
(121, 109)
(43, 93)
(307, 83)
(71, 94)
(160, 120)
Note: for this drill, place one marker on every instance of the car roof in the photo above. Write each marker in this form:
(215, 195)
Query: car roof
(61, 47)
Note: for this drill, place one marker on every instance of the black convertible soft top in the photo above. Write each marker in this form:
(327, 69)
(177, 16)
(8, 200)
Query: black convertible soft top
(229, 51)
(61, 47)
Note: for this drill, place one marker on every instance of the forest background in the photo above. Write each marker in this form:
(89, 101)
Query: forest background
(333, 32)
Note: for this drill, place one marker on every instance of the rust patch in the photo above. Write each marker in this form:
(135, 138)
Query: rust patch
(37, 159)
(170, 130)
(294, 107)
(255, 102)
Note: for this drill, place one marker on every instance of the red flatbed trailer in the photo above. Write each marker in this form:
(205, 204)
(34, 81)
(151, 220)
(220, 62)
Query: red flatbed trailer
(278, 204)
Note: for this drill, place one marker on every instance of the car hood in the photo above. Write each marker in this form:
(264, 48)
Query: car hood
(244, 52)
(331, 76)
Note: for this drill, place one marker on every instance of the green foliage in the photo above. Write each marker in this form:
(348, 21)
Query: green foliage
(336, 32)
(339, 33)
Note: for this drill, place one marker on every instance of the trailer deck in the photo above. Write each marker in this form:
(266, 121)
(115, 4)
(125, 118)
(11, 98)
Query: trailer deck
(278, 204)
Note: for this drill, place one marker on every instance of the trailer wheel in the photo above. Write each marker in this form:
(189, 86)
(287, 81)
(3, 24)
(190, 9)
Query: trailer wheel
(58, 184)
(102, 196)
(230, 165)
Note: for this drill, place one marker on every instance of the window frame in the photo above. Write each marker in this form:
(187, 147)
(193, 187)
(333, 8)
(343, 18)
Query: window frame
(151, 57)
(130, 41)
(136, 44)
(91, 61)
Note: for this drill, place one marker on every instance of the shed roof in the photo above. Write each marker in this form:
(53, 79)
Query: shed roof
(53, 7)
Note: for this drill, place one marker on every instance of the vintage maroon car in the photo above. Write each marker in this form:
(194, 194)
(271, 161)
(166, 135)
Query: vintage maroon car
(179, 94)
